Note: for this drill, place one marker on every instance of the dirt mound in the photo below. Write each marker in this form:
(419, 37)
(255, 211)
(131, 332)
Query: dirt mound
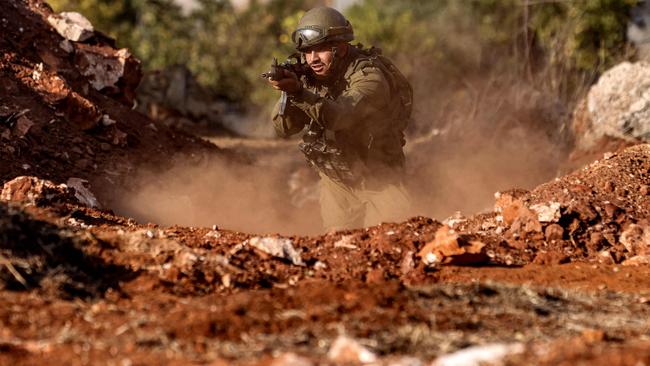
(37, 254)
(64, 114)
(599, 214)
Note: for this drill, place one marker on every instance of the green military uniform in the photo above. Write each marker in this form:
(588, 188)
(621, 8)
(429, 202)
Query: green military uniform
(354, 138)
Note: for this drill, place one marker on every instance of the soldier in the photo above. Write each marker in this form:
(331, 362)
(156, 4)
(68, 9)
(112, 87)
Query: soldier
(355, 105)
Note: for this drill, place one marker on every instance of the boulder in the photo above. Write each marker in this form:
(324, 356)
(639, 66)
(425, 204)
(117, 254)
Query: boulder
(114, 73)
(39, 192)
(277, 247)
(618, 107)
(448, 247)
(82, 193)
(34, 191)
(72, 26)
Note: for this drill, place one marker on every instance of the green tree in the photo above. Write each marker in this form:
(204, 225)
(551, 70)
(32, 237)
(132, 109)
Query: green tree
(442, 42)
(225, 48)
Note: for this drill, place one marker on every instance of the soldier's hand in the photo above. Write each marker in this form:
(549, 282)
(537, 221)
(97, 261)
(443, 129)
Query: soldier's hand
(289, 83)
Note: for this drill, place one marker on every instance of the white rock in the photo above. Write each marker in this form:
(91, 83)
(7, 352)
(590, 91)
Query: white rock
(346, 350)
(431, 259)
(345, 242)
(547, 212)
(38, 71)
(107, 120)
(72, 26)
(454, 220)
(277, 247)
(188, 259)
(617, 106)
(291, 359)
(102, 71)
(83, 194)
(479, 355)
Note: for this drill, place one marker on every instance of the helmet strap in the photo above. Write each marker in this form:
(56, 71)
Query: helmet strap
(333, 65)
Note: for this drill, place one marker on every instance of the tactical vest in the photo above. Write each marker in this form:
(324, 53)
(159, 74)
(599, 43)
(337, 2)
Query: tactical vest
(326, 153)
(400, 88)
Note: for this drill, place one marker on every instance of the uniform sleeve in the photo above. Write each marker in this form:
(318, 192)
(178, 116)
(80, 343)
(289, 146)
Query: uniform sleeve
(293, 121)
(368, 93)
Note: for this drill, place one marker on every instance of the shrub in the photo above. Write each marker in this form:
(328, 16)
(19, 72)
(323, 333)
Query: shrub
(442, 43)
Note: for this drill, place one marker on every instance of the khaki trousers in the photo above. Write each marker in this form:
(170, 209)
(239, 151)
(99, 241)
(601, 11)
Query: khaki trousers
(344, 207)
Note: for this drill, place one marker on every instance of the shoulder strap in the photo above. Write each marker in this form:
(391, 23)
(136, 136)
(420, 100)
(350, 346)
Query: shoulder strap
(399, 85)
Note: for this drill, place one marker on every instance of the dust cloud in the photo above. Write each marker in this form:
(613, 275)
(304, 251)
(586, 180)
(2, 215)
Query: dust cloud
(274, 191)
(493, 134)
(465, 178)
(254, 197)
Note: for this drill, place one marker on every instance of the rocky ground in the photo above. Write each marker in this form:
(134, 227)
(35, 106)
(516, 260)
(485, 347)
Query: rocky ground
(555, 275)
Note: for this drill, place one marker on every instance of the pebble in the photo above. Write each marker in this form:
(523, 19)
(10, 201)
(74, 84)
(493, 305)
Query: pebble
(554, 232)
(345, 350)
(644, 190)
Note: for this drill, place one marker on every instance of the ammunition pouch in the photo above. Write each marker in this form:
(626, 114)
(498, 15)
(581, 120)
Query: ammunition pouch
(326, 157)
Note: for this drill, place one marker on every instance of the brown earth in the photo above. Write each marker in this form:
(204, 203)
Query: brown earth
(560, 271)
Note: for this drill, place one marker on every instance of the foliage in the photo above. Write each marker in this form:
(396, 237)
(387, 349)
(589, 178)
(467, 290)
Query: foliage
(116, 18)
(226, 48)
(581, 39)
(442, 42)
(572, 41)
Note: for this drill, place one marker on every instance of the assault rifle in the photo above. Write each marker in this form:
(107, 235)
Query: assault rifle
(294, 64)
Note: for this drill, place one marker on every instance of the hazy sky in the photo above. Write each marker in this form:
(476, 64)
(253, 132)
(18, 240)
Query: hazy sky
(342, 4)
(189, 5)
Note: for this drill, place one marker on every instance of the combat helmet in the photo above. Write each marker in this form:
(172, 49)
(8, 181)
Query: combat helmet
(320, 25)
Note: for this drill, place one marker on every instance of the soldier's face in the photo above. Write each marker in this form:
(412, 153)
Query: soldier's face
(321, 57)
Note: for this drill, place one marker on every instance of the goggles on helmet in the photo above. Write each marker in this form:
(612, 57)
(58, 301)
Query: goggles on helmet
(307, 36)
(311, 35)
